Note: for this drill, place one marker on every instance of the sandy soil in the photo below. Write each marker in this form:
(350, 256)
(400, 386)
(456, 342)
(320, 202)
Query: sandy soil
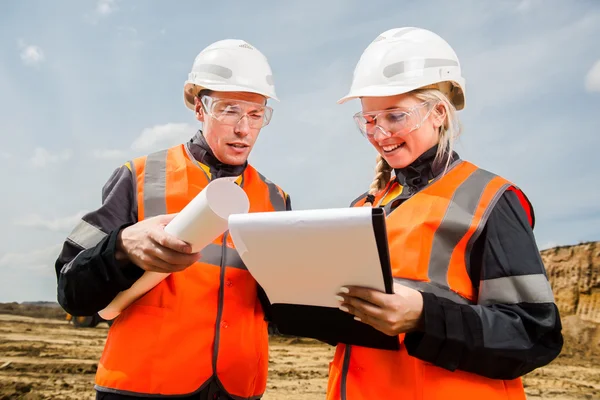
(50, 359)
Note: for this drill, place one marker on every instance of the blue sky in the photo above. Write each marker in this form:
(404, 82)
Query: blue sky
(87, 85)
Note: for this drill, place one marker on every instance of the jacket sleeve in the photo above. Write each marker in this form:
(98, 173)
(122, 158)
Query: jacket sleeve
(88, 275)
(515, 326)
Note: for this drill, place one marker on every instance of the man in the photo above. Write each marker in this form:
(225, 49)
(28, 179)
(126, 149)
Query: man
(202, 332)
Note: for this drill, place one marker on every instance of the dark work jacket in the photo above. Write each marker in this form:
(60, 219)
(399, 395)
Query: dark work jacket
(501, 341)
(89, 279)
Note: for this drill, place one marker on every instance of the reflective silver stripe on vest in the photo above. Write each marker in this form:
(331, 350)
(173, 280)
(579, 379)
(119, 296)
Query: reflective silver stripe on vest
(432, 288)
(455, 224)
(86, 235)
(274, 195)
(155, 203)
(155, 181)
(533, 288)
(345, 369)
(135, 184)
(359, 198)
(212, 253)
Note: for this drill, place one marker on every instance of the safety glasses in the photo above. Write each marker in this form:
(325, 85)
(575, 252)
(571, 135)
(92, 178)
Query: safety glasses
(231, 111)
(392, 122)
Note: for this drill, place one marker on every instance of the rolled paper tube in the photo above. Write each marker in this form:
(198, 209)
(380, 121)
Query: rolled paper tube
(200, 222)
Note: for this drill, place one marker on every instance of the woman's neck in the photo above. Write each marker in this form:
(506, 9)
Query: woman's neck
(423, 169)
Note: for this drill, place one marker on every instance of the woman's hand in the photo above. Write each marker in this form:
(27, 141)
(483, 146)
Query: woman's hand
(391, 314)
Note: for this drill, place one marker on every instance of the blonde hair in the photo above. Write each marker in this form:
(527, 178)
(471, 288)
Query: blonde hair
(449, 131)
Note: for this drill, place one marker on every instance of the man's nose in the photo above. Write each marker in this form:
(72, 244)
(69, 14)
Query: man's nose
(242, 128)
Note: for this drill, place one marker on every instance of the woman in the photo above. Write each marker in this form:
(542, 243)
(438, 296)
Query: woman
(472, 306)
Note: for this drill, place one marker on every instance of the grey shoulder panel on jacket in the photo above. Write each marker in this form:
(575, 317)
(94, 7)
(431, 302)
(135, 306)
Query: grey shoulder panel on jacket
(118, 207)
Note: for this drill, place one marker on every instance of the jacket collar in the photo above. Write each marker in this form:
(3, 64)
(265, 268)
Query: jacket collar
(421, 171)
(201, 151)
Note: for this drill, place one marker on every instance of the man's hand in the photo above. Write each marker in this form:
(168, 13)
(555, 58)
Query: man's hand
(391, 314)
(147, 245)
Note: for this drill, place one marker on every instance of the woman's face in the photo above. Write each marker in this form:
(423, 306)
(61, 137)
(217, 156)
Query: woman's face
(388, 123)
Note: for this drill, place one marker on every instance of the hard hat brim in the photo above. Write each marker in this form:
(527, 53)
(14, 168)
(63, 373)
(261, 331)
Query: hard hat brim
(383, 91)
(377, 91)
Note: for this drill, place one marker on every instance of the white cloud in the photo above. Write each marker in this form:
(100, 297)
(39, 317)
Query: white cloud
(42, 157)
(55, 224)
(592, 79)
(30, 54)
(106, 7)
(103, 9)
(527, 5)
(109, 154)
(5, 156)
(127, 30)
(160, 136)
(37, 260)
(151, 139)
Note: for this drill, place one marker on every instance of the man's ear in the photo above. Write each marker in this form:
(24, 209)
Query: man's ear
(199, 109)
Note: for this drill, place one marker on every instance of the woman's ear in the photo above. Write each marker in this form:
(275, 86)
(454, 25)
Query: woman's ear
(439, 115)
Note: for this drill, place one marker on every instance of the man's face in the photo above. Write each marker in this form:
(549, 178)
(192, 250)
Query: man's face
(231, 124)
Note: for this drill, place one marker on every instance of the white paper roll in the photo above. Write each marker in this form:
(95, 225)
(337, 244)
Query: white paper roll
(206, 216)
(200, 222)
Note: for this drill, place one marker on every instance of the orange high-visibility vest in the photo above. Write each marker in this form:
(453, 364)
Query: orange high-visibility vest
(201, 323)
(429, 237)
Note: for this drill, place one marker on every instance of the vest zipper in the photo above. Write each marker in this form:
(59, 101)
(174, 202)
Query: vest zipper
(220, 304)
(345, 368)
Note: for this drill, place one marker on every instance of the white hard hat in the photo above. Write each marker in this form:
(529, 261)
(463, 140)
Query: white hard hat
(403, 59)
(229, 65)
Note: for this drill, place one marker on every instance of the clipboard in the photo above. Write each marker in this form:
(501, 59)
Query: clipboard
(300, 259)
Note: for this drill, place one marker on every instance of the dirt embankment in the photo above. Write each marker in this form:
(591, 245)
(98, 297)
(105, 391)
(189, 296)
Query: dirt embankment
(574, 273)
(34, 309)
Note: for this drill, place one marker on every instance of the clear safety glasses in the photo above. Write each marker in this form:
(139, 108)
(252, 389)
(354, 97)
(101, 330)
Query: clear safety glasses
(231, 111)
(392, 122)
